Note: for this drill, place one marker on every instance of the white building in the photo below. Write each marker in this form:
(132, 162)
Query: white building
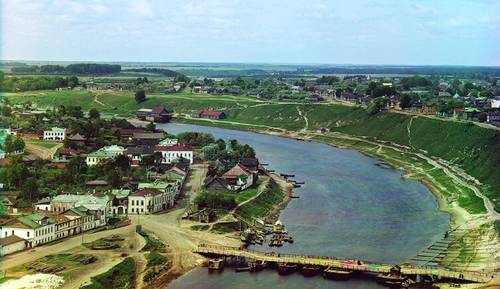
(173, 153)
(43, 205)
(55, 134)
(36, 229)
(146, 201)
(11, 244)
(105, 153)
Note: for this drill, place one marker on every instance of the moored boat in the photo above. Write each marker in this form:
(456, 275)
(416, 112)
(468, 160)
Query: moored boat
(392, 279)
(215, 264)
(257, 265)
(337, 273)
(311, 270)
(287, 268)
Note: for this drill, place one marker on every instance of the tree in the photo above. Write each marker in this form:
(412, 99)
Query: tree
(15, 173)
(76, 166)
(72, 81)
(19, 144)
(29, 189)
(8, 145)
(74, 111)
(94, 113)
(405, 101)
(482, 117)
(140, 96)
(122, 162)
(376, 106)
(150, 127)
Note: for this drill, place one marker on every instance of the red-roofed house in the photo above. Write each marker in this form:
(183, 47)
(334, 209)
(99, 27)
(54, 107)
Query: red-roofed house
(156, 114)
(239, 178)
(173, 153)
(211, 114)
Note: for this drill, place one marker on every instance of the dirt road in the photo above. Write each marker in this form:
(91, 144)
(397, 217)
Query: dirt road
(42, 152)
(81, 275)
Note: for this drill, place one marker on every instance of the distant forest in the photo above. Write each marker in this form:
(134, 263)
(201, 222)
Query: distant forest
(162, 71)
(78, 68)
(413, 70)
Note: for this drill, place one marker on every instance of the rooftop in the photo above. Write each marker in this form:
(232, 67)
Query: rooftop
(177, 147)
(12, 239)
(146, 192)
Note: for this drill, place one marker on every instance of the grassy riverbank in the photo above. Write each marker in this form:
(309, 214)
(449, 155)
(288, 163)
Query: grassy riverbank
(465, 146)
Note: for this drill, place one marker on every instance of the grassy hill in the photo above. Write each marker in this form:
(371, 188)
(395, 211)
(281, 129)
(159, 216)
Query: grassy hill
(475, 149)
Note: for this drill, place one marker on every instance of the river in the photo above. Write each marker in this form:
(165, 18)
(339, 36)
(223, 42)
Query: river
(351, 206)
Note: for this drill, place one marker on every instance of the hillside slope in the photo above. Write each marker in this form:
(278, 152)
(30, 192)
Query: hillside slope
(475, 149)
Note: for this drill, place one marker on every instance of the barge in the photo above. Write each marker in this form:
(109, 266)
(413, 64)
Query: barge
(337, 273)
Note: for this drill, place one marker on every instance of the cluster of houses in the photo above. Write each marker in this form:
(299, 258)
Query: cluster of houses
(66, 215)
(238, 178)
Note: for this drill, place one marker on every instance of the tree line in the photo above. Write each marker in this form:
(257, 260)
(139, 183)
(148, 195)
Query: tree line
(29, 83)
(77, 68)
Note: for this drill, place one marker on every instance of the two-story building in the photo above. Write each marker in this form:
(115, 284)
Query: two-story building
(172, 153)
(36, 229)
(55, 134)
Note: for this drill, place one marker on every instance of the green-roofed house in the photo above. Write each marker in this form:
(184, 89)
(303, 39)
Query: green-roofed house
(36, 229)
(105, 153)
(99, 206)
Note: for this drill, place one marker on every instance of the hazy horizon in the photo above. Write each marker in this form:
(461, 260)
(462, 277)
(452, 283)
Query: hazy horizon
(363, 32)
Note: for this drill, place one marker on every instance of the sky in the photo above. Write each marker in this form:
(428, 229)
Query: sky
(406, 32)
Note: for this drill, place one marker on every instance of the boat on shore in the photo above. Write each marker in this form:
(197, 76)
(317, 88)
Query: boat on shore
(333, 273)
(287, 268)
(311, 270)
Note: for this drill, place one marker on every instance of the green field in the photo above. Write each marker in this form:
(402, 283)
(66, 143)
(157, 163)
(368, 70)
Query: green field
(473, 148)
(45, 144)
(121, 276)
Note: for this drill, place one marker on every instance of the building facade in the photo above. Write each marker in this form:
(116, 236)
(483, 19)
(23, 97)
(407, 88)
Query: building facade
(173, 153)
(55, 134)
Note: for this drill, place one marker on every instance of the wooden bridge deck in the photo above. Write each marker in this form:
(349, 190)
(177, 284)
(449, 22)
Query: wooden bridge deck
(353, 265)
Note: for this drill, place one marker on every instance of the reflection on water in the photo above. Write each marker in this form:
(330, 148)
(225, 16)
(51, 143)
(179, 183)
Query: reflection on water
(350, 206)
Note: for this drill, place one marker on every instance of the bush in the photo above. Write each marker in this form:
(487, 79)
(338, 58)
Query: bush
(155, 259)
(120, 276)
(215, 201)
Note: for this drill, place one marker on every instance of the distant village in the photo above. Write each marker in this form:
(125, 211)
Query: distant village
(467, 99)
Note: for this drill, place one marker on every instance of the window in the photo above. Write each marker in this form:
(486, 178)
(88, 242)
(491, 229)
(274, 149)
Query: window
(142, 202)
(28, 234)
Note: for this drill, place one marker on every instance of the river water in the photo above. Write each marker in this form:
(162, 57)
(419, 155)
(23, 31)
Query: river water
(351, 206)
